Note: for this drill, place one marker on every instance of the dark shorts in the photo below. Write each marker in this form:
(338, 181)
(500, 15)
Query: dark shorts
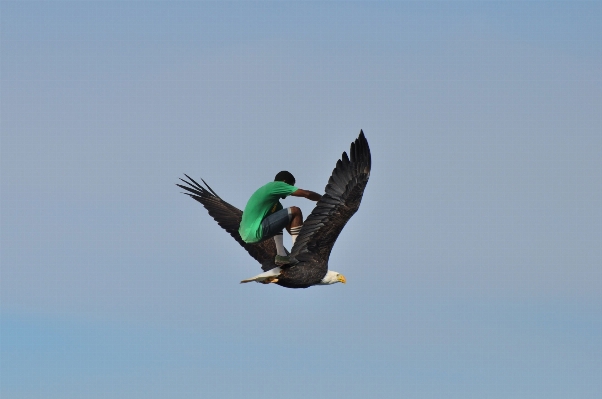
(274, 223)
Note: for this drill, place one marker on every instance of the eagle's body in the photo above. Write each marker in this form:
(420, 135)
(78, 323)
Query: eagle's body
(311, 251)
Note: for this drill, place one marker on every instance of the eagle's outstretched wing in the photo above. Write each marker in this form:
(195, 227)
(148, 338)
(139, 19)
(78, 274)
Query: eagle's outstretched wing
(342, 199)
(229, 217)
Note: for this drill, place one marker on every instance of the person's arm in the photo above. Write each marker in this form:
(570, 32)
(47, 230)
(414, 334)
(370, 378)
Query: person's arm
(310, 195)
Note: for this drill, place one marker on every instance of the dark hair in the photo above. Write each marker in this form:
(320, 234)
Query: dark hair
(286, 177)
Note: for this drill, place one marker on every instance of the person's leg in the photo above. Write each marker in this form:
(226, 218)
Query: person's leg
(279, 241)
(296, 223)
(272, 226)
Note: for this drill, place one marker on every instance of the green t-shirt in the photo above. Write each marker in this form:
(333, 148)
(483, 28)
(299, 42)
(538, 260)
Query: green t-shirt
(262, 203)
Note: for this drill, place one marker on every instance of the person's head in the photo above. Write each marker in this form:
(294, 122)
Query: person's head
(286, 177)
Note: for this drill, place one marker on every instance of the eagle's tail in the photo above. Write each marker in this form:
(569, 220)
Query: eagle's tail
(266, 277)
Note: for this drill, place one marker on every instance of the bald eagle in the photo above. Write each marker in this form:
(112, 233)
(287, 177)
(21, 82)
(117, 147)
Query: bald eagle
(311, 251)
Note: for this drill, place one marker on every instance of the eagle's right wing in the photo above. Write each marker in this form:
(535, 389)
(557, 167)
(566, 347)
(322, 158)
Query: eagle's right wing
(229, 217)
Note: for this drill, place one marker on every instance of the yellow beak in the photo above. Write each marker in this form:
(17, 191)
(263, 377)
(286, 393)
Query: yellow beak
(342, 279)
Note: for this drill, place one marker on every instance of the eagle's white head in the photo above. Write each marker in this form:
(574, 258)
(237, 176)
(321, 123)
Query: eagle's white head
(332, 277)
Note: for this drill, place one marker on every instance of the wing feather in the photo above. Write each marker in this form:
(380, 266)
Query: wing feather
(229, 217)
(341, 200)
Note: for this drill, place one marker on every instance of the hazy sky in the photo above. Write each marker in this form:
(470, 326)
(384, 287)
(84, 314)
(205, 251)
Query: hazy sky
(473, 265)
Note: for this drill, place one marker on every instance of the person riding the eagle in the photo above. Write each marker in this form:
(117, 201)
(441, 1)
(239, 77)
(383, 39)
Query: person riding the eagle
(265, 218)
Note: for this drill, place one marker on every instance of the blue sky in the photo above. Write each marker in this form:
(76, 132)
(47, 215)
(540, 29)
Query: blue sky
(473, 264)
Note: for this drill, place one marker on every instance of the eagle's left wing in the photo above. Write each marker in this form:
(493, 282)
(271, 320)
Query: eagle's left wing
(341, 200)
(229, 217)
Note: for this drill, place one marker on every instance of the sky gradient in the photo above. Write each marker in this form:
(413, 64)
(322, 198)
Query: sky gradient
(472, 265)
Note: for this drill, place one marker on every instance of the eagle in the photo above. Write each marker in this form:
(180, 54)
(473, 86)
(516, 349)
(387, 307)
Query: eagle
(311, 251)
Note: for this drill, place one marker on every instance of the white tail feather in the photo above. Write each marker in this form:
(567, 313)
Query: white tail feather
(263, 276)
